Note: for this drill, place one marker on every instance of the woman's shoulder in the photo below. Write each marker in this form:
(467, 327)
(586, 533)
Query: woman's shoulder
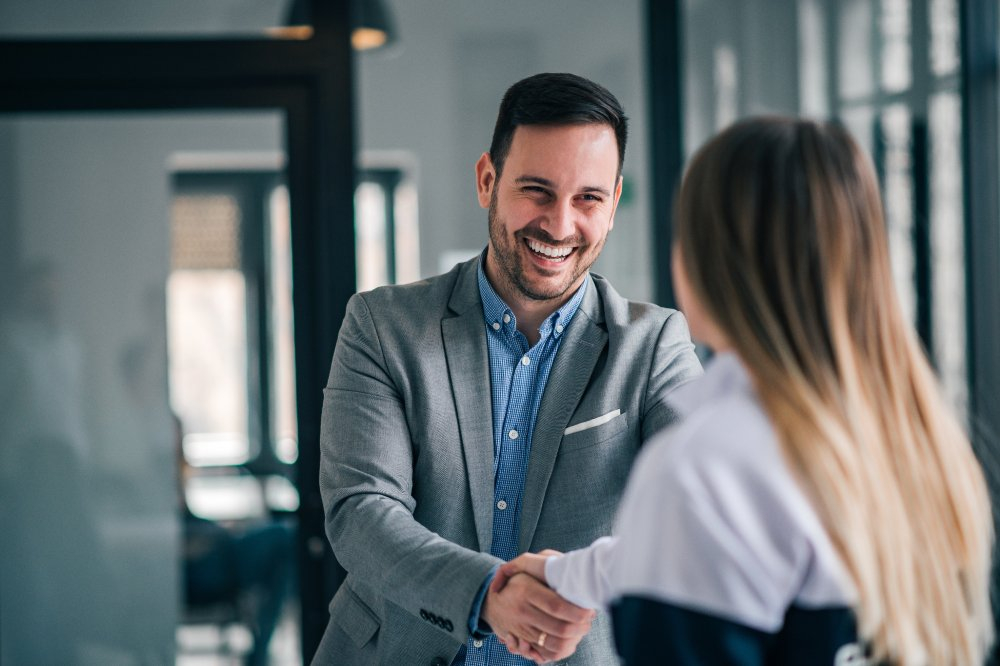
(715, 519)
(722, 425)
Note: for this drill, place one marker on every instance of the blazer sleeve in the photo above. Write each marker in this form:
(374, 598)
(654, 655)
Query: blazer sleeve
(366, 480)
(674, 363)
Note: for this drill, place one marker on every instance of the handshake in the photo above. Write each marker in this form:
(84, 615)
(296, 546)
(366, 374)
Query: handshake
(528, 617)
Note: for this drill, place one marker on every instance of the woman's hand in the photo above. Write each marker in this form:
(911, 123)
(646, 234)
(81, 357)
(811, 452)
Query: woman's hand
(532, 564)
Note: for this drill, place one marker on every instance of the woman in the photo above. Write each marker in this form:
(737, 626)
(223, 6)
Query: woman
(819, 502)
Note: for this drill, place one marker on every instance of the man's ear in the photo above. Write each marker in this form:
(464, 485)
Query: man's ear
(486, 179)
(618, 195)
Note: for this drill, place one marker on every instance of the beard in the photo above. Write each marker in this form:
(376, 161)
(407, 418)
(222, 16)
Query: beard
(514, 271)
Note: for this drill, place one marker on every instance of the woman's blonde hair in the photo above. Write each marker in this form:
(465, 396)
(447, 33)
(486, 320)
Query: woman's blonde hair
(779, 223)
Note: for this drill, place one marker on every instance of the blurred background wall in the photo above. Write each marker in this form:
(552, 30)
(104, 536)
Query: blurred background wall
(189, 191)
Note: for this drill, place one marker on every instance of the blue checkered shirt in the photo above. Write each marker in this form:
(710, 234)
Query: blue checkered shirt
(518, 375)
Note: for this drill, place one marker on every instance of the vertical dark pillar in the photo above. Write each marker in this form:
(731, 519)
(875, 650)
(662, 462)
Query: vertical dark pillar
(982, 235)
(923, 271)
(831, 24)
(921, 90)
(322, 194)
(981, 116)
(664, 21)
(390, 181)
(9, 230)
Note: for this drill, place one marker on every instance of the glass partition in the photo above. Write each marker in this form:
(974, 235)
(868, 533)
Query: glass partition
(146, 401)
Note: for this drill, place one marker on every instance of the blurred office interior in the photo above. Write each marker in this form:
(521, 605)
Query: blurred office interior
(190, 191)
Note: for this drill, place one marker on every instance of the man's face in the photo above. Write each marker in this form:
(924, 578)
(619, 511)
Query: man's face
(551, 209)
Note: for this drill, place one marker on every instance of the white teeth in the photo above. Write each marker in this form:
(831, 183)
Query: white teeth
(554, 252)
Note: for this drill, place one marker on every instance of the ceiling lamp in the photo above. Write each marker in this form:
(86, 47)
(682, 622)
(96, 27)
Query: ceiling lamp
(371, 26)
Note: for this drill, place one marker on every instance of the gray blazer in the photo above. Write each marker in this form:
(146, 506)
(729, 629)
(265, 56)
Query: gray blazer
(407, 456)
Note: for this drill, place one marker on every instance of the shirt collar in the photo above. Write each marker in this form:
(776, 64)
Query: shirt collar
(724, 375)
(499, 316)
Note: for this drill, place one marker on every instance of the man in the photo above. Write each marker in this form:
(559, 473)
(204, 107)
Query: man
(495, 409)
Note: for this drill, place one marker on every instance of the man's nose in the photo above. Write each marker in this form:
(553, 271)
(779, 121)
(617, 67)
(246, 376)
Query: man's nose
(561, 220)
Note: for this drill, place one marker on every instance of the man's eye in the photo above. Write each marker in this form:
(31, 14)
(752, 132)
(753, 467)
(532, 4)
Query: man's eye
(537, 192)
(591, 197)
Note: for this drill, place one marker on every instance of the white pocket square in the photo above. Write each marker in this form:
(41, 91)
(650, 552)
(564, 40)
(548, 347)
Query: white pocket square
(592, 423)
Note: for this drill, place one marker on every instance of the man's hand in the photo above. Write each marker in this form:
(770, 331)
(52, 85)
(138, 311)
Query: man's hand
(533, 621)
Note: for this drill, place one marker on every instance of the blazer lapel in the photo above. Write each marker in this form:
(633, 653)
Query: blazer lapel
(468, 362)
(578, 353)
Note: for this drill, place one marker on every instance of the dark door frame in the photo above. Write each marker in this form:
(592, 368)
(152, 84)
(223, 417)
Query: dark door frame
(981, 158)
(310, 80)
(981, 148)
(665, 66)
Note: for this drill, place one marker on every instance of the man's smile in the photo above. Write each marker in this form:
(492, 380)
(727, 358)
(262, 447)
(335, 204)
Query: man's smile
(549, 252)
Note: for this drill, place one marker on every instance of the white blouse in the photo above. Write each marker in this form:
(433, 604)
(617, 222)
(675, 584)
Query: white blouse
(712, 519)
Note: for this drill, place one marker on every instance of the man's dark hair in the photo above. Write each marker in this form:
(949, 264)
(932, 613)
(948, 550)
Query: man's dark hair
(556, 99)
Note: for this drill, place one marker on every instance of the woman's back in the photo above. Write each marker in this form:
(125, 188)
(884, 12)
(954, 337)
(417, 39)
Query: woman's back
(782, 239)
(715, 490)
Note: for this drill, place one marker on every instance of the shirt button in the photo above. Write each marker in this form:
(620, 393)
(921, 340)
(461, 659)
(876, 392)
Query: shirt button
(512, 434)
(506, 319)
(477, 643)
(525, 360)
(501, 505)
(496, 326)
(559, 328)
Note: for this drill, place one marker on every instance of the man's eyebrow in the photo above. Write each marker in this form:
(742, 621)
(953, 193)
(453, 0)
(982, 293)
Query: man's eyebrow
(545, 182)
(535, 179)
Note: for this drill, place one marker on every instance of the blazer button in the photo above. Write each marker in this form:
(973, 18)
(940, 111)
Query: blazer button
(438, 661)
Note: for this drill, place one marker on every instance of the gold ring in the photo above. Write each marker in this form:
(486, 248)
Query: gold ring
(541, 639)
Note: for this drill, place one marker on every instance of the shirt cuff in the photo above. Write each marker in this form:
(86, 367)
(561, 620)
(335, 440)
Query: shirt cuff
(477, 627)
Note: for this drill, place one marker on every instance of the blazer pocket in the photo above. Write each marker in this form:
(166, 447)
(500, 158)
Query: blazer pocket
(583, 439)
(354, 616)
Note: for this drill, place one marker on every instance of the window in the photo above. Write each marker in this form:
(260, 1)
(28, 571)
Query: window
(889, 70)
(230, 333)
(385, 222)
